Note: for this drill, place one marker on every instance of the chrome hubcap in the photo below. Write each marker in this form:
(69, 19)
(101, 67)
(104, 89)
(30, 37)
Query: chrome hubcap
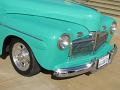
(21, 56)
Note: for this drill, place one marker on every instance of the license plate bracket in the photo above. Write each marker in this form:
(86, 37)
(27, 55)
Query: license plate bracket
(103, 61)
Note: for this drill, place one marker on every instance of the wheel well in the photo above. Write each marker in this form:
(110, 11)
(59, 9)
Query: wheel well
(6, 45)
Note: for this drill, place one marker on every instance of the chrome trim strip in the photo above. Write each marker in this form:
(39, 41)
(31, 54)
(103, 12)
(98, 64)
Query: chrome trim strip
(49, 18)
(90, 67)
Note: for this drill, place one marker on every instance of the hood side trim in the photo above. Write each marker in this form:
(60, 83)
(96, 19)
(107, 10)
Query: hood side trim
(49, 18)
(12, 28)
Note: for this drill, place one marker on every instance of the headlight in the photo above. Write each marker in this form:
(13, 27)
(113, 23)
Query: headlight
(64, 41)
(113, 27)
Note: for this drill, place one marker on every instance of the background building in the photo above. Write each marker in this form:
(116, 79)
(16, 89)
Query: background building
(110, 7)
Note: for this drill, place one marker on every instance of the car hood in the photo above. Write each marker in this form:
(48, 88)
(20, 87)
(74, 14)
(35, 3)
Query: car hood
(56, 9)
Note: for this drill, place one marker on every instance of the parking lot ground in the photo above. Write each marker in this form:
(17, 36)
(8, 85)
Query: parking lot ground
(104, 79)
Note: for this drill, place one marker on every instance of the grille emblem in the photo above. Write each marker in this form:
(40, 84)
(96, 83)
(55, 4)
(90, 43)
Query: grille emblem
(104, 27)
(79, 34)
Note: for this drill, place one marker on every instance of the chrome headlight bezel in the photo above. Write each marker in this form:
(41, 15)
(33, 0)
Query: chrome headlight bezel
(113, 28)
(64, 41)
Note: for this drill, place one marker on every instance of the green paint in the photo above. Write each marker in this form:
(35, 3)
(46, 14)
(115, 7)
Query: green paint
(40, 23)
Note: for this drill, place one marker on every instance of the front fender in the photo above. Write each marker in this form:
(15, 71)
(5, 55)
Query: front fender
(42, 35)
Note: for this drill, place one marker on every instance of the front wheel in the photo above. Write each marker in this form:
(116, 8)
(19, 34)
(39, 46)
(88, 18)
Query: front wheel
(23, 59)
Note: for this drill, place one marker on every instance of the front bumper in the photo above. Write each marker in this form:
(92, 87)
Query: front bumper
(90, 67)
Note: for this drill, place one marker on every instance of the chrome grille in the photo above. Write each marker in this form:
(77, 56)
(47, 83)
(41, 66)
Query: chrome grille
(100, 39)
(88, 45)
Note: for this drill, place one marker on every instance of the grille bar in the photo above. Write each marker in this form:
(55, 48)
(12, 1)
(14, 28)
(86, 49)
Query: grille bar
(100, 39)
(88, 45)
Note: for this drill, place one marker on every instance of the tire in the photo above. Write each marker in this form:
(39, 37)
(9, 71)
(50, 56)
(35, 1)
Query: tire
(23, 59)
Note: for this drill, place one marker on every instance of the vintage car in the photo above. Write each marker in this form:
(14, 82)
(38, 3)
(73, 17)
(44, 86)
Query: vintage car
(60, 36)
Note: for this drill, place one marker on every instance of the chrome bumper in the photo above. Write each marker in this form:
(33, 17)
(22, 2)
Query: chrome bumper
(90, 67)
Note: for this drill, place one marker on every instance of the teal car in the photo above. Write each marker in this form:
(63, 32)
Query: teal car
(61, 36)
